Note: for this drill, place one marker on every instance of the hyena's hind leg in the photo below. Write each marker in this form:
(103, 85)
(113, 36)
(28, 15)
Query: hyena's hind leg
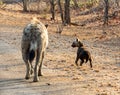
(90, 62)
(41, 61)
(28, 70)
(87, 58)
(28, 65)
(31, 71)
(37, 64)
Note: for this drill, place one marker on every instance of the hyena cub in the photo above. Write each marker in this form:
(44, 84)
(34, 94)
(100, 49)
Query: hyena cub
(82, 53)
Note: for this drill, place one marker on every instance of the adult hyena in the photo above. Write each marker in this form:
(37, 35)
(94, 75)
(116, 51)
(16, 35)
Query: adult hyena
(82, 53)
(34, 43)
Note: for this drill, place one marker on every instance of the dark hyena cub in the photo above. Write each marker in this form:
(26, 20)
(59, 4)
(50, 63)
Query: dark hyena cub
(82, 53)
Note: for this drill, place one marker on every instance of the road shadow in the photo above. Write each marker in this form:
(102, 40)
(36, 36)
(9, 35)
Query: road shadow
(9, 83)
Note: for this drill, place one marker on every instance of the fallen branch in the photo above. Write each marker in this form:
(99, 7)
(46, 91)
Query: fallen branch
(91, 20)
(3, 6)
(18, 3)
(92, 10)
(83, 23)
(94, 19)
(114, 14)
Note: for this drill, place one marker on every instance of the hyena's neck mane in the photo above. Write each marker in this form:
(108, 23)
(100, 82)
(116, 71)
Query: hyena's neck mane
(35, 21)
(80, 45)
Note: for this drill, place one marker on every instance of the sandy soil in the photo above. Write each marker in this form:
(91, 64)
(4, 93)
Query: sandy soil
(60, 75)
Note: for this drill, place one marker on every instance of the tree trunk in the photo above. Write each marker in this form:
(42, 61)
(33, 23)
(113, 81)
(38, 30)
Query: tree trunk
(25, 3)
(106, 12)
(61, 11)
(67, 19)
(52, 9)
(38, 6)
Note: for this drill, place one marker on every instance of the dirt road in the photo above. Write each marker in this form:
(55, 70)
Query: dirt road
(60, 75)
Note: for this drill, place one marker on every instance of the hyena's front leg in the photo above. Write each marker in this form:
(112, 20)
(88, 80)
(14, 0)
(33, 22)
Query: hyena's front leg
(82, 61)
(77, 58)
(41, 61)
(90, 62)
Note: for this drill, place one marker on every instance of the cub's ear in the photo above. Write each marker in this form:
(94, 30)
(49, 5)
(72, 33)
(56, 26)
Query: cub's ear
(77, 40)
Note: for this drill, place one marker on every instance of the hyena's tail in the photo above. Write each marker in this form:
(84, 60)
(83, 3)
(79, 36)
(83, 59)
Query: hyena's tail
(31, 55)
(32, 51)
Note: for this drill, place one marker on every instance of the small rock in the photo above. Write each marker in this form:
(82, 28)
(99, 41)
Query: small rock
(96, 70)
(48, 83)
(110, 85)
(75, 78)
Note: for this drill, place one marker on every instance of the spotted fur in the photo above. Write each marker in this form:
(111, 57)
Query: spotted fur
(34, 44)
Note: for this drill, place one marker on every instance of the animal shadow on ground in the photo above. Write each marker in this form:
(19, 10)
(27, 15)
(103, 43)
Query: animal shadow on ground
(11, 83)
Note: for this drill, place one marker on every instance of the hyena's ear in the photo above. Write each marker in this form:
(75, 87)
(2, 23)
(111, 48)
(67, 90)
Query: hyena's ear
(46, 25)
(77, 40)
